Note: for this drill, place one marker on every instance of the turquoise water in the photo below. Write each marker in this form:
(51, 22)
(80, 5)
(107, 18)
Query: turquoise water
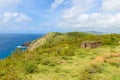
(9, 42)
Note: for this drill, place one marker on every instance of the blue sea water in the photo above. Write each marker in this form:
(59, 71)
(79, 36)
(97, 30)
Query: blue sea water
(9, 42)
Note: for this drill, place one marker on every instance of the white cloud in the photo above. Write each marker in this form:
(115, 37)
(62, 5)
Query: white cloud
(56, 4)
(23, 18)
(94, 20)
(111, 5)
(14, 18)
(8, 4)
(78, 7)
(82, 15)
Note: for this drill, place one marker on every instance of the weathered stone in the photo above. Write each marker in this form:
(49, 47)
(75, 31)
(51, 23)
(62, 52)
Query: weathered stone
(92, 44)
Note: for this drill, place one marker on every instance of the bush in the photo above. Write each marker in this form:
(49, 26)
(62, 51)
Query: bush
(45, 61)
(2, 73)
(49, 59)
(85, 76)
(117, 64)
(90, 71)
(94, 69)
(68, 52)
(30, 68)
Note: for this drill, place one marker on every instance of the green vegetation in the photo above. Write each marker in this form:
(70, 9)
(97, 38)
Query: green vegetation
(60, 57)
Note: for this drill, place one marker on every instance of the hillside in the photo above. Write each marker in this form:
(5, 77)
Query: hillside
(58, 56)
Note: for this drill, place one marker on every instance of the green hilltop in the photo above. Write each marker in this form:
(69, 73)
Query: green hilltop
(58, 56)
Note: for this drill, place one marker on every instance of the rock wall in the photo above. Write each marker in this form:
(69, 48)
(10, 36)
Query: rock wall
(92, 44)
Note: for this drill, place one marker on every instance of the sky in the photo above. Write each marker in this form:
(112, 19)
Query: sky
(42, 16)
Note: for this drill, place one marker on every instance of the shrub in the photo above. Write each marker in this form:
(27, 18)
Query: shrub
(112, 51)
(85, 76)
(68, 52)
(2, 73)
(90, 71)
(49, 59)
(45, 61)
(94, 68)
(115, 63)
(30, 68)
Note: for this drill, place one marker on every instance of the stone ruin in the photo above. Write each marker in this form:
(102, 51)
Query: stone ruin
(91, 44)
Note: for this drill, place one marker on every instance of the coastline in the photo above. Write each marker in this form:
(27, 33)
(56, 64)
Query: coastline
(9, 42)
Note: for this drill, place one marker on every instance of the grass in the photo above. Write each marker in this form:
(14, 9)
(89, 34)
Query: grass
(80, 66)
(61, 58)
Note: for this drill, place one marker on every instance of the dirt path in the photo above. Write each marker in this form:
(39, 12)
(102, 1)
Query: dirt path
(105, 57)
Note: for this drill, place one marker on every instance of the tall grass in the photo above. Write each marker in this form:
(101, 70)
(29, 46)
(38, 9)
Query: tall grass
(61, 51)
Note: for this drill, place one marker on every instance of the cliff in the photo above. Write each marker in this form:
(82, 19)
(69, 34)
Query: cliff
(42, 40)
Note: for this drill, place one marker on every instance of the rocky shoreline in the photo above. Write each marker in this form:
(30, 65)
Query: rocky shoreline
(27, 44)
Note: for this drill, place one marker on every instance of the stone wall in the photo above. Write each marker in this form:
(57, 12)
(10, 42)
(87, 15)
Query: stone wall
(91, 44)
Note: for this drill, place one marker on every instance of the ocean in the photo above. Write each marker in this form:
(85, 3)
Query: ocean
(9, 42)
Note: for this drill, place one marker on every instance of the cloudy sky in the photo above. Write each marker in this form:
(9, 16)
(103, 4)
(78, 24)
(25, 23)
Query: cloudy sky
(41, 16)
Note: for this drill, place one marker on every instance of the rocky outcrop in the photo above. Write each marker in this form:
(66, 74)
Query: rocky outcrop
(27, 44)
(42, 40)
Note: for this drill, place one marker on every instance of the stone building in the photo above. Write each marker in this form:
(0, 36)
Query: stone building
(91, 44)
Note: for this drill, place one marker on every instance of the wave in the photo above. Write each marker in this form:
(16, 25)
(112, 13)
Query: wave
(22, 47)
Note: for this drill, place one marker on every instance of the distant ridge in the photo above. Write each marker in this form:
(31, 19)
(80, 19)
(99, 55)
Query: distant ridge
(95, 32)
